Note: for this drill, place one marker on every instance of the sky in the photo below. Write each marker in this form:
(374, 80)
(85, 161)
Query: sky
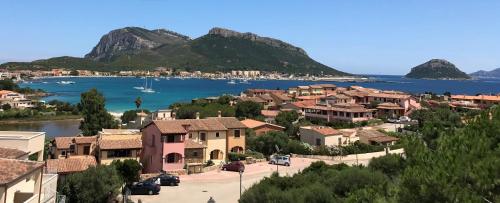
(361, 37)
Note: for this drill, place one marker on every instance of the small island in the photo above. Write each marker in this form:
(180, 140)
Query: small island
(439, 69)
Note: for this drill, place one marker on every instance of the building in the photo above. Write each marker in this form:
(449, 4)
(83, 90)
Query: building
(72, 164)
(164, 142)
(118, 146)
(374, 137)
(390, 110)
(12, 153)
(324, 136)
(15, 100)
(30, 142)
(269, 115)
(479, 101)
(339, 112)
(62, 147)
(20, 180)
(162, 114)
(260, 127)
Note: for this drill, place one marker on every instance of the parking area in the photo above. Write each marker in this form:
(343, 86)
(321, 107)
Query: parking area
(223, 186)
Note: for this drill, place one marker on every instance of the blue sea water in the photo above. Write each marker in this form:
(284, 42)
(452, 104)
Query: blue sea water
(120, 93)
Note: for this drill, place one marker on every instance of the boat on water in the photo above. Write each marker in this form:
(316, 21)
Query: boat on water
(245, 82)
(157, 79)
(232, 82)
(146, 89)
(64, 82)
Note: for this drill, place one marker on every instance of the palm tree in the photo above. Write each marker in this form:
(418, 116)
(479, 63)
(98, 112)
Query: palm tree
(138, 102)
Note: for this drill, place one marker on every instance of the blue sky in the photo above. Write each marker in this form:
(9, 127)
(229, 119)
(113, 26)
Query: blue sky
(375, 37)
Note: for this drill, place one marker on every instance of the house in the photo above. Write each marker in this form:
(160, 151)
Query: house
(62, 147)
(165, 143)
(112, 147)
(162, 114)
(324, 136)
(374, 137)
(260, 127)
(269, 115)
(12, 153)
(72, 164)
(390, 110)
(15, 100)
(280, 98)
(479, 101)
(339, 112)
(30, 142)
(20, 180)
(257, 92)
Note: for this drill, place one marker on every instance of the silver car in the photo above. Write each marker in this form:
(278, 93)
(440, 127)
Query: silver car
(280, 160)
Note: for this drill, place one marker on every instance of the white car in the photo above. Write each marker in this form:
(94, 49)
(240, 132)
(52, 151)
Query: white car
(405, 119)
(280, 160)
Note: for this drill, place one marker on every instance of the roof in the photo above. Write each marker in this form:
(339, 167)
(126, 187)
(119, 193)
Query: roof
(253, 99)
(389, 105)
(310, 97)
(265, 97)
(391, 96)
(63, 142)
(11, 153)
(250, 123)
(19, 135)
(2, 92)
(179, 126)
(479, 97)
(281, 96)
(327, 85)
(190, 144)
(12, 169)
(120, 142)
(323, 130)
(70, 165)
(229, 122)
(376, 136)
(119, 131)
(346, 107)
(269, 113)
(316, 86)
(304, 104)
(85, 139)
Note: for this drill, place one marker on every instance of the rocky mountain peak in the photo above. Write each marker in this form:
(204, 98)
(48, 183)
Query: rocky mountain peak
(223, 32)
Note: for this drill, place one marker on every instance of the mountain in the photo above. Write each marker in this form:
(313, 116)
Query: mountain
(132, 48)
(437, 69)
(486, 74)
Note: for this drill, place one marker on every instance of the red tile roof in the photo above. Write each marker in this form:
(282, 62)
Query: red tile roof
(70, 165)
(108, 142)
(63, 142)
(12, 169)
(190, 144)
(10, 153)
(250, 123)
(269, 113)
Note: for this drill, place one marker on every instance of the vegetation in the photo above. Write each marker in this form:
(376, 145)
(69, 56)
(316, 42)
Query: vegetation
(248, 109)
(95, 116)
(189, 110)
(461, 165)
(8, 84)
(131, 115)
(96, 184)
(55, 110)
(437, 69)
(287, 119)
(266, 144)
(129, 169)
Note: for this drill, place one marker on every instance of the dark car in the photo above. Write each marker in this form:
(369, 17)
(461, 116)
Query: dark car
(143, 188)
(169, 179)
(234, 166)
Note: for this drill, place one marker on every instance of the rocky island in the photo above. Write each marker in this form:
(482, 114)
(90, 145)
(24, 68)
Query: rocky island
(439, 69)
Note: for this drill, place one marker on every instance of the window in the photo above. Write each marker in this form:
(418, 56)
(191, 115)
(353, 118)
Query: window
(217, 134)
(119, 153)
(318, 142)
(195, 153)
(173, 158)
(86, 150)
(63, 152)
(72, 148)
(170, 138)
(190, 135)
(236, 133)
(203, 136)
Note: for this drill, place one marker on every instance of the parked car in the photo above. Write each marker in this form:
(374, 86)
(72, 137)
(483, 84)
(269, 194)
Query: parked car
(280, 160)
(393, 120)
(234, 166)
(143, 188)
(169, 179)
(405, 119)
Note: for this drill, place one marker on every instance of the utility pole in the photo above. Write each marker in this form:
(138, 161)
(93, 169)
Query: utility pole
(241, 174)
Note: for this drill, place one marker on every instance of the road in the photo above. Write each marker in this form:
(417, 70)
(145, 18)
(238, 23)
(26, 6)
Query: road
(223, 186)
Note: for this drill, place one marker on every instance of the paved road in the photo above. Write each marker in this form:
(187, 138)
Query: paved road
(223, 186)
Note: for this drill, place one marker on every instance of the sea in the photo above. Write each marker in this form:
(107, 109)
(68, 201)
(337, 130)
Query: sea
(120, 92)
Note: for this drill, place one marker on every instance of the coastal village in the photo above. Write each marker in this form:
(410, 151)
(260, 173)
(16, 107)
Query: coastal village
(163, 143)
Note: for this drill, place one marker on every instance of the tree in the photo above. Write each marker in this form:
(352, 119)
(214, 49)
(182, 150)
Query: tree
(138, 102)
(6, 107)
(128, 169)
(248, 109)
(95, 115)
(286, 119)
(96, 184)
(225, 99)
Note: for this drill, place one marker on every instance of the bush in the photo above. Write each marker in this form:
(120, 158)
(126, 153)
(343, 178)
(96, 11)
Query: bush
(236, 156)
(210, 163)
(247, 109)
(6, 107)
(392, 164)
(254, 154)
(128, 169)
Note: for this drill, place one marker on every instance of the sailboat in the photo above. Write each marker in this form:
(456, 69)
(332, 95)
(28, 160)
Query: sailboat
(232, 82)
(145, 84)
(150, 89)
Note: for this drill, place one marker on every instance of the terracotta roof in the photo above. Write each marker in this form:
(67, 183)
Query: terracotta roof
(177, 126)
(12, 169)
(120, 142)
(70, 165)
(311, 97)
(250, 123)
(281, 96)
(190, 144)
(316, 86)
(63, 142)
(265, 97)
(355, 93)
(10, 153)
(389, 105)
(479, 97)
(327, 85)
(303, 87)
(170, 127)
(229, 122)
(304, 104)
(85, 139)
(391, 96)
(253, 99)
(376, 136)
(323, 130)
(269, 113)
(342, 107)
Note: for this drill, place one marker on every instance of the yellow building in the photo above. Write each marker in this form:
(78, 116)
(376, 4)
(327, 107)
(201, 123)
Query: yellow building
(112, 147)
(20, 180)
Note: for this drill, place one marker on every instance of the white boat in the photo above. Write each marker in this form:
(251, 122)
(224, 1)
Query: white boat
(142, 87)
(150, 89)
(156, 79)
(244, 82)
(66, 82)
(232, 82)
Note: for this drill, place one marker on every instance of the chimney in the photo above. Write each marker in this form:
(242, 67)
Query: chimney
(219, 114)
(197, 115)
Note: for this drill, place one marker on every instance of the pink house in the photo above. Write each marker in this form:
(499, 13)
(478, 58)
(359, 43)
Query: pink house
(163, 146)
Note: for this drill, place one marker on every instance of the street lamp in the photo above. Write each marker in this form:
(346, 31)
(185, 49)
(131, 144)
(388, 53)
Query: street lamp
(241, 174)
